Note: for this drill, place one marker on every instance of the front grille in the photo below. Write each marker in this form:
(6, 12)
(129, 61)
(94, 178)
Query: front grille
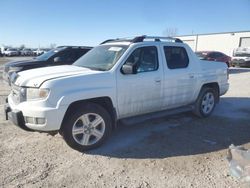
(238, 60)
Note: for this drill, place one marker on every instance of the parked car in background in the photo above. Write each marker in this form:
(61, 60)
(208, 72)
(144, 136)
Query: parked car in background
(11, 52)
(241, 57)
(214, 56)
(26, 52)
(40, 51)
(1, 54)
(63, 55)
(36, 52)
(118, 79)
(44, 50)
(2, 49)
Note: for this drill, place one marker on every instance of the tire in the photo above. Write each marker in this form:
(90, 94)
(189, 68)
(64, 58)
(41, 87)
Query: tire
(87, 127)
(205, 102)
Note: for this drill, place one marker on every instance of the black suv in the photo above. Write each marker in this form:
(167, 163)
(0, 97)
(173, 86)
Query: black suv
(62, 55)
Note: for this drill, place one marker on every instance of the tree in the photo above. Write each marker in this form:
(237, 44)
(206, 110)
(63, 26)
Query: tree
(22, 46)
(170, 32)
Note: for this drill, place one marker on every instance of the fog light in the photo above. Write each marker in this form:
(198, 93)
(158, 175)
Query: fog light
(34, 120)
(40, 120)
(29, 120)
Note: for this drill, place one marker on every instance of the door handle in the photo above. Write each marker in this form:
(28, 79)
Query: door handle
(191, 76)
(157, 80)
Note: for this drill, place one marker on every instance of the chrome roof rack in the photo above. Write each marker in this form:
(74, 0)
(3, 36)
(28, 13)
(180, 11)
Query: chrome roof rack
(142, 38)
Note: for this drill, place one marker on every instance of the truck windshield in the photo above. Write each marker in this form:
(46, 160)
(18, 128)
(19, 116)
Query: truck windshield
(101, 57)
(45, 56)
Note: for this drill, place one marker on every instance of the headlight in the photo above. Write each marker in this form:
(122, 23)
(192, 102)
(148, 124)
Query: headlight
(15, 69)
(37, 93)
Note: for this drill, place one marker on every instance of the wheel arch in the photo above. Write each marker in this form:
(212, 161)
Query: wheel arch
(215, 86)
(105, 102)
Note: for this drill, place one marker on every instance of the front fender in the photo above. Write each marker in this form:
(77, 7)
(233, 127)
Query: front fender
(86, 94)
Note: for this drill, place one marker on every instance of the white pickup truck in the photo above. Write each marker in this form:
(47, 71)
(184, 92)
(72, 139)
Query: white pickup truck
(118, 79)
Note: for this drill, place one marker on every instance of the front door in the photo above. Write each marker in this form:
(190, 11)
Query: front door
(141, 92)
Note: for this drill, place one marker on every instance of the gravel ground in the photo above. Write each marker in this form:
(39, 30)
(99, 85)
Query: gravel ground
(174, 151)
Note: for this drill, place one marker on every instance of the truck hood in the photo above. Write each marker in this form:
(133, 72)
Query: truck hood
(22, 63)
(35, 77)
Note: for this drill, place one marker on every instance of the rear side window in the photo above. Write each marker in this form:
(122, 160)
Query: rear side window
(176, 57)
(213, 55)
(218, 54)
(67, 56)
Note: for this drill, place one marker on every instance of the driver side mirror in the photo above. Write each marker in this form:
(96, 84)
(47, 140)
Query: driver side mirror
(129, 68)
(58, 60)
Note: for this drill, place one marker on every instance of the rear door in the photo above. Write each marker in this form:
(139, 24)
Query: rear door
(142, 92)
(180, 77)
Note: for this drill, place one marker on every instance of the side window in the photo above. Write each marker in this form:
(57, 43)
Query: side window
(212, 55)
(68, 56)
(176, 57)
(218, 54)
(81, 52)
(145, 59)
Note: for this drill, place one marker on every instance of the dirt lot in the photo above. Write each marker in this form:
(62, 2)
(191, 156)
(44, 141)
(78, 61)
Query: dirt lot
(175, 151)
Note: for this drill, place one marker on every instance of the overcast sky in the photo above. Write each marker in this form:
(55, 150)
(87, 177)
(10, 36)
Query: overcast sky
(89, 22)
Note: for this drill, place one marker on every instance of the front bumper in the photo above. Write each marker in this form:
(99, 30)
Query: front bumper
(224, 88)
(16, 117)
(241, 63)
(35, 116)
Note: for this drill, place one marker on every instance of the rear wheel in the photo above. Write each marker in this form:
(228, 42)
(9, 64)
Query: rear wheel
(205, 103)
(87, 127)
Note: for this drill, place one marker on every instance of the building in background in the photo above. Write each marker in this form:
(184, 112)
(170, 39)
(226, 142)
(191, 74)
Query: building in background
(224, 42)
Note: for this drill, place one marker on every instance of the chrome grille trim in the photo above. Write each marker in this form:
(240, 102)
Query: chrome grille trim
(16, 94)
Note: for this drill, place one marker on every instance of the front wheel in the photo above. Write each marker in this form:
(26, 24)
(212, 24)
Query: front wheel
(205, 103)
(87, 127)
